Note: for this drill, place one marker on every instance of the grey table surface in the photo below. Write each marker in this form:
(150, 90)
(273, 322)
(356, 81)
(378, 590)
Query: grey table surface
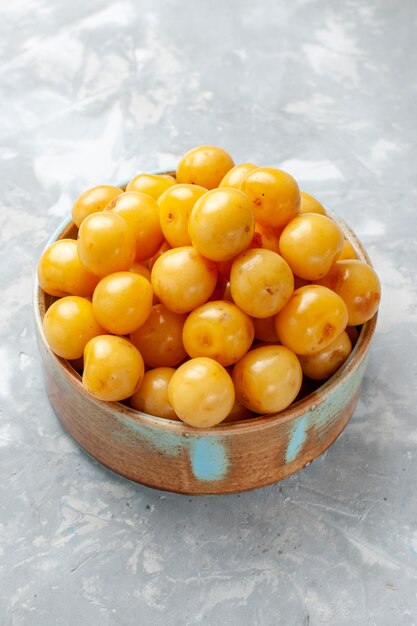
(96, 91)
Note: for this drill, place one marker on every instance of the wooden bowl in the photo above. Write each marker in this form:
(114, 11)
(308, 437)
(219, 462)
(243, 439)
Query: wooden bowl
(228, 458)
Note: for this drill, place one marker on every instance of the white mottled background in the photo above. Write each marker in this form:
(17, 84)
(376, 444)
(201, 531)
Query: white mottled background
(94, 91)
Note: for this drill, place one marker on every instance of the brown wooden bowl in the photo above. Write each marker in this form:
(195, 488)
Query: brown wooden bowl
(228, 458)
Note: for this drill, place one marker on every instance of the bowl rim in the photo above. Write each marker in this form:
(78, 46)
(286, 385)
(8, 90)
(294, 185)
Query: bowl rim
(179, 428)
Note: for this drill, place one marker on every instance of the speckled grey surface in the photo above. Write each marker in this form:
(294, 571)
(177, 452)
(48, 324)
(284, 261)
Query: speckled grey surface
(96, 91)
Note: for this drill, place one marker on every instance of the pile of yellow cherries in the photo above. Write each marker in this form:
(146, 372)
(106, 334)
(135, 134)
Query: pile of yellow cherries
(206, 296)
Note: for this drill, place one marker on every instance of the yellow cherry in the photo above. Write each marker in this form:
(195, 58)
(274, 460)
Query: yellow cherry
(261, 282)
(235, 176)
(159, 339)
(92, 201)
(152, 395)
(122, 302)
(183, 279)
(221, 224)
(325, 363)
(267, 379)
(201, 392)
(69, 324)
(348, 252)
(274, 195)
(175, 206)
(309, 204)
(61, 273)
(219, 330)
(106, 243)
(310, 244)
(265, 329)
(152, 184)
(205, 166)
(311, 320)
(141, 213)
(358, 285)
(238, 413)
(113, 368)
